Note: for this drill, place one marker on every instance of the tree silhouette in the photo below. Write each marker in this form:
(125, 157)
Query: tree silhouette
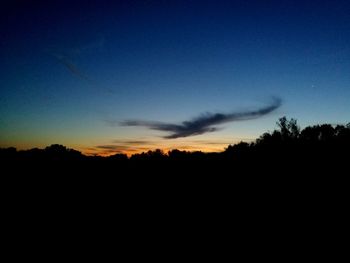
(288, 148)
(289, 129)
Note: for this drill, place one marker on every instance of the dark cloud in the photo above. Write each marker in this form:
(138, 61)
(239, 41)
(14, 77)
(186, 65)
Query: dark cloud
(204, 123)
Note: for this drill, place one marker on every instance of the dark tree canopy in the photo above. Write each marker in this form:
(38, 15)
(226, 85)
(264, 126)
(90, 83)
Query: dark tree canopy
(288, 146)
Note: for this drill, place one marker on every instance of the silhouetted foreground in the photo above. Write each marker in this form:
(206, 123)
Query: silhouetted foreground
(286, 150)
(288, 181)
(287, 174)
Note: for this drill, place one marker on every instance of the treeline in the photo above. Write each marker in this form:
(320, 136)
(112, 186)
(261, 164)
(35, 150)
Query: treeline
(288, 144)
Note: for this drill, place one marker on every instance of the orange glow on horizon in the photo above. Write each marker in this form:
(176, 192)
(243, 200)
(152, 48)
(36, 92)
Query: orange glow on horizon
(129, 145)
(219, 147)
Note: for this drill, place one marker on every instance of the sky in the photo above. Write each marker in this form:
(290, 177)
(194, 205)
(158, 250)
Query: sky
(107, 77)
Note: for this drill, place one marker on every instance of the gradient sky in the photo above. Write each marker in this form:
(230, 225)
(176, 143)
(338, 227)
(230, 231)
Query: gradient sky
(70, 69)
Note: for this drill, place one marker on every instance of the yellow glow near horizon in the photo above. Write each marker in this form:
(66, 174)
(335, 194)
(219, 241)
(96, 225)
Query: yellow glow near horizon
(105, 144)
(129, 149)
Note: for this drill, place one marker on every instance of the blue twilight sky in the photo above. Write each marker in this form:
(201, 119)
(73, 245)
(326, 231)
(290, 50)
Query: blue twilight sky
(70, 69)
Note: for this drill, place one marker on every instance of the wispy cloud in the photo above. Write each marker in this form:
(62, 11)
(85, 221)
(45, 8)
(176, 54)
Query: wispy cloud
(109, 149)
(204, 123)
(133, 142)
(65, 56)
(65, 61)
(96, 45)
(112, 147)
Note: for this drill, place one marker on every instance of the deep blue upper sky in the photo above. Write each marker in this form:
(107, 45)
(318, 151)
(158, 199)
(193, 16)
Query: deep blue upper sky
(68, 68)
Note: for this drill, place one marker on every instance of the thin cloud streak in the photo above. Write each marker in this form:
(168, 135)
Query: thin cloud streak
(133, 142)
(98, 45)
(204, 123)
(70, 66)
(112, 147)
